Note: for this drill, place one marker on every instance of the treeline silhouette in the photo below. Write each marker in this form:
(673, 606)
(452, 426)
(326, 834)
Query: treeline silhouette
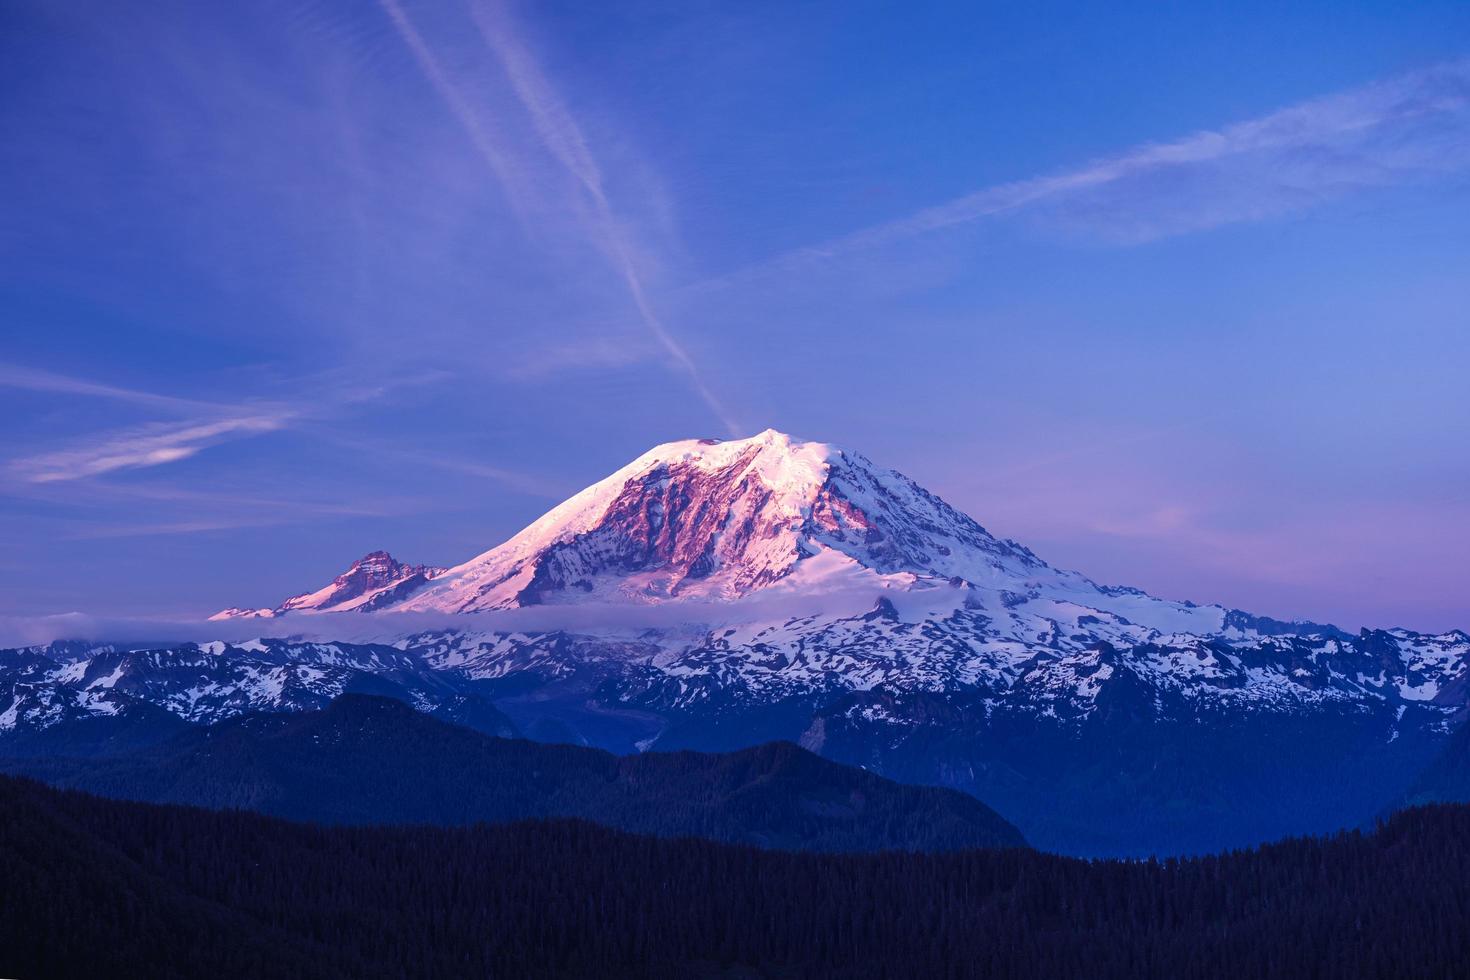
(95, 887)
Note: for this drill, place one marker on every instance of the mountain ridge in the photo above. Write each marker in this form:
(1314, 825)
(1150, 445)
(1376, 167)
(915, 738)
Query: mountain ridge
(364, 759)
(717, 594)
(133, 889)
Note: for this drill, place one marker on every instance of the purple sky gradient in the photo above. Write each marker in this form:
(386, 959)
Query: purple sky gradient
(1165, 295)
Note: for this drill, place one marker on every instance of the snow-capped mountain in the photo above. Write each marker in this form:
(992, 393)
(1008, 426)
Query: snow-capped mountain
(953, 656)
(722, 520)
(374, 581)
(952, 608)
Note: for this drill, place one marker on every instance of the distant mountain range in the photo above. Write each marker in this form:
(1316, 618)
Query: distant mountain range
(374, 760)
(720, 594)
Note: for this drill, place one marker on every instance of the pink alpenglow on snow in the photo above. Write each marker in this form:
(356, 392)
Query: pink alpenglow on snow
(722, 520)
(373, 581)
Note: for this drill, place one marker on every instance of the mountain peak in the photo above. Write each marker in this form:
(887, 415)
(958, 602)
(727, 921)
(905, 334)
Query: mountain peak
(721, 519)
(778, 459)
(373, 581)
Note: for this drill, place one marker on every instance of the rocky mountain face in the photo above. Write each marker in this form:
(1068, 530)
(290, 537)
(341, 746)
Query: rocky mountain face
(729, 520)
(374, 581)
(718, 594)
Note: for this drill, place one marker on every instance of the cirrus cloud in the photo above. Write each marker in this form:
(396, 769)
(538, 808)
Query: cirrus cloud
(152, 445)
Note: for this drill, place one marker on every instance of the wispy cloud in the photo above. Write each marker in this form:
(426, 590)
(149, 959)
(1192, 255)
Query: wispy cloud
(594, 353)
(520, 481)
(101, 532)
(464, 112)
(1109, 445)
(234, 502)
(152, 445)
(209, 423)
(563, 138)
(1408, 127)
(157, 507)
(243, 512)
(33, 379)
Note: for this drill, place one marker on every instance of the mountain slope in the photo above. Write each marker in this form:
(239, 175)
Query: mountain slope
(1176, 745)
(375, 580)
(715, 595)
(721, 520)
(713, 519)
(1447, 778)
(369, 760)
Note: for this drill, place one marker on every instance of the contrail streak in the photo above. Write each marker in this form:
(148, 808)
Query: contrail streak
(563, 139)
(461, 109)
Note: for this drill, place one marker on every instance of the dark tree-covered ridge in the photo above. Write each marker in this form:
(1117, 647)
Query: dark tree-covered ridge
(372, 760)
(98, 887)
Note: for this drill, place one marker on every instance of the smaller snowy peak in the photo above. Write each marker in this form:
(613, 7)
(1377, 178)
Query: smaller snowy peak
(373, 581)
(368, 575)
(236, 612)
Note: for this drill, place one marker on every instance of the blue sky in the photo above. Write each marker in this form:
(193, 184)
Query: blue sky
(1175, 294)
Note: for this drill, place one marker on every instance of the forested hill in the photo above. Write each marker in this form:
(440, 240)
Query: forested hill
(96, 887)
(372, 760)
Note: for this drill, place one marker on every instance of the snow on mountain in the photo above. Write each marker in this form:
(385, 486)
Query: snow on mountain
(373, 581)
(1404, 678)
(750, 534)
(43, 687)
(722, 520)
(713, 594)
